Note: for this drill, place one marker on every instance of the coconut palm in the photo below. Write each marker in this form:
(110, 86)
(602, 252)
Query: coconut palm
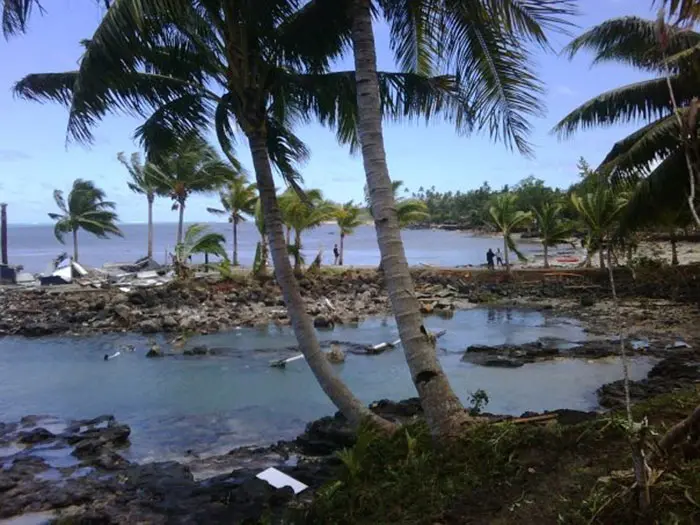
(16, 14)
(507, 217)
(302, 215)
(599, 212)
(408, 211)
(238, 199)
(85, 209)
(347, 216)
(191, 166)
(552, 227)
(183, 66)
(261, 252)
(657, 150)
(143, 181)
(486, 43)
(197, 239)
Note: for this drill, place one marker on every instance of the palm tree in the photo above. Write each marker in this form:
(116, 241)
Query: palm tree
(599, 212)
(347, 217)
(87, 209)
(246, 66)
(507, 217)
(143, 181)
(237, 200)
(486, 43)
(302, 215)
(553, 228)
(192, 166)
(408, 211)
(657, 151)
(260, 263)
(197, 240)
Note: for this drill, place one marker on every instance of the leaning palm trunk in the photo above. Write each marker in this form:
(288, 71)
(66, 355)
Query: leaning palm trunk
(443, 410)
(150, 227)
(342, 249)
(674, 249)
(546, 255)
(505, 251)
(351, 407)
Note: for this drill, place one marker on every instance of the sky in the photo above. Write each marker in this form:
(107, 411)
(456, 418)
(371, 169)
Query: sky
(35, 158)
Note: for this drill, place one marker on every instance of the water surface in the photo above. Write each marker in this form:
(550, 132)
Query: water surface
(214, 403)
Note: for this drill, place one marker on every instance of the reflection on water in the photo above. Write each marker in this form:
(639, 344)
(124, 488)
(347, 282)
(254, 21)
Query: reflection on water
(234, 398)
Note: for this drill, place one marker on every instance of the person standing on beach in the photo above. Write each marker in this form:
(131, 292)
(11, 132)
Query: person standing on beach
(489, 259)
(336, 254)
(499, 257)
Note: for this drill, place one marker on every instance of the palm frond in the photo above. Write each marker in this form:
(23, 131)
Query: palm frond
(643, 100)
(15, 14)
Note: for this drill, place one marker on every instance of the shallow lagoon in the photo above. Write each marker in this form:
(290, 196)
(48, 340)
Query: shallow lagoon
(211, 404)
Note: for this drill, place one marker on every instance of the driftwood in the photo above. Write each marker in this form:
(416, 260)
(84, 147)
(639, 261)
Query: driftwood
(679, 432)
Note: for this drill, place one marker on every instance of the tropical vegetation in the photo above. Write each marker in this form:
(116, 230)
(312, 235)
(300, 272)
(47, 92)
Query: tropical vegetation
(348, 217)
(552, 228)
(238, 200)
(506, 217)
(143, 180)
(86, 208)
(197, 240)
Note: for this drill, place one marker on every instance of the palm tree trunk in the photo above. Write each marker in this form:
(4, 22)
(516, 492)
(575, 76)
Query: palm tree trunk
(342, 248)
(150, 227)
(235, 241)
(443, 410)
(288, 237)
(546, 255)
(297, 255)
(674, 249)
(75, 244)
(601, 256)
(3, 234)
(180, 220)
(505, 251)
(351, 407)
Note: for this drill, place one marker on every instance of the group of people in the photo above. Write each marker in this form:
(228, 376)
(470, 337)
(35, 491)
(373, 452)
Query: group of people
(490, 255)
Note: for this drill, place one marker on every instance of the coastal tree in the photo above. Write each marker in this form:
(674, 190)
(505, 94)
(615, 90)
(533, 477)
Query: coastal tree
(238, 199)
(408, 210)
(197, 240)
(599, 212)
(189, 166)
(506, 216)
(248, 66)
(303, 214)
(663, 103)
(348, 219)
(144, 182)
(486, 44)
(261, 252)
(553, 228)
(84, 209)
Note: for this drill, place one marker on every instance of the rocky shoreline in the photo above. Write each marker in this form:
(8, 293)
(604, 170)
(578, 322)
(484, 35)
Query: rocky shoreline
(74, 471)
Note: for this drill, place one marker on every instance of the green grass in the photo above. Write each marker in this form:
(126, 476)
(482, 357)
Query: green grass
(508, 473)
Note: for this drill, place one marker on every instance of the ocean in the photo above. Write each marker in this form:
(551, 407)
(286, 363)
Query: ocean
(35, 246)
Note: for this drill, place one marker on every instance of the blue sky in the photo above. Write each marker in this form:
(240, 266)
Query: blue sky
(34, 159)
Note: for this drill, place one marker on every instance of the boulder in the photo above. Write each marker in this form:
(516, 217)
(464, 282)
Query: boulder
(322, 321)
(36, 435)
(336, 355)
(150, 326)
(587, 301)
(40, 329)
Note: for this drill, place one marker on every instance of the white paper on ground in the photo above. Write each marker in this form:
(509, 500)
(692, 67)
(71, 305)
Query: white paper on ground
(279, 479)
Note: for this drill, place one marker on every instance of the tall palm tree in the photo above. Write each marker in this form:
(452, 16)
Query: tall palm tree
(237, 200)
(143, 181)
(86, 209)
(506, 217)
(192, 166)
(486, 43)
(553, 228)
(599, 212)
(197, 239)
(347, 216)
(257, 67)
(656, 151)
(16, 13)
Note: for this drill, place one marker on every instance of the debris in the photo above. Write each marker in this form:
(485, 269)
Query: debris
(281, 363)
(279, 479)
